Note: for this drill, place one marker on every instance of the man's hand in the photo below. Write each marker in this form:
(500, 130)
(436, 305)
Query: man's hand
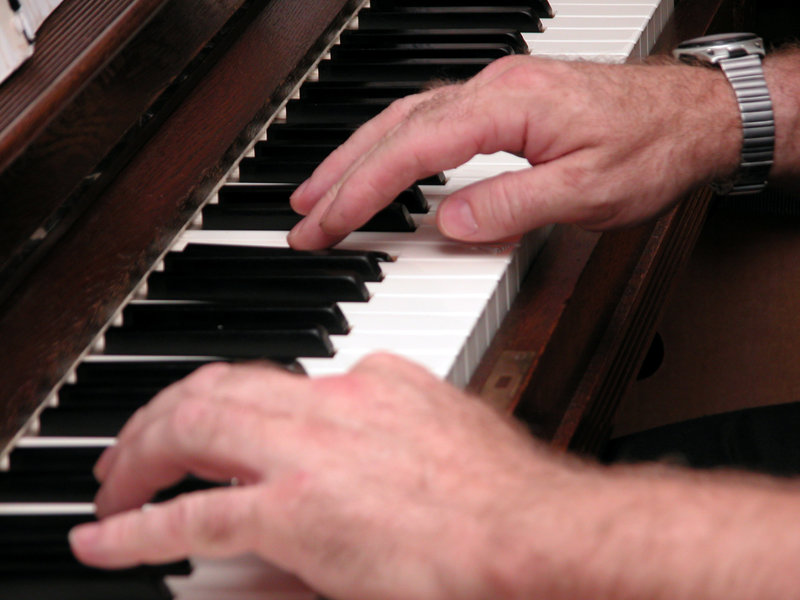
(387, 484)
(382, 483)
(609, 146)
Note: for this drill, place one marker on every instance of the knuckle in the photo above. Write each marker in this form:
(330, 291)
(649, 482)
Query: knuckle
(212, 531)
(402, 107)
(191, 420)
(204, 376)
(379, 359)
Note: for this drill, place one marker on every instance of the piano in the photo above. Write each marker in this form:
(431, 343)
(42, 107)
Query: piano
(108, 213)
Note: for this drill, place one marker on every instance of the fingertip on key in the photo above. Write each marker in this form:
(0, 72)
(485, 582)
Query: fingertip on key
(103, 464)
(85, 541)
(456, 219)
(297, 198)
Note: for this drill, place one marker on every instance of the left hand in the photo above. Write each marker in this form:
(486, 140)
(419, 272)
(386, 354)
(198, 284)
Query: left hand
(382, 483)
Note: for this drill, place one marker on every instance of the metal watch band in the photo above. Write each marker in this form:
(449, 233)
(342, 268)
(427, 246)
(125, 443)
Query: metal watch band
(746, 76)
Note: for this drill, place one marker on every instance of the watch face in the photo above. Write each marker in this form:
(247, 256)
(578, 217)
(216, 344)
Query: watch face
(720, 39)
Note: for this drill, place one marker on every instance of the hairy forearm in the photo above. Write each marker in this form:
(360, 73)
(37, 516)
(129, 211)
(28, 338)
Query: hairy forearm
(656, 533)
(782, 72)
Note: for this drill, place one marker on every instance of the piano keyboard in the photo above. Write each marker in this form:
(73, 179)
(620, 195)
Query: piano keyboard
(436, 301)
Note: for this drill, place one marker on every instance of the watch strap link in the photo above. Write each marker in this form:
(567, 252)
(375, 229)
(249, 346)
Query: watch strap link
(746, 76)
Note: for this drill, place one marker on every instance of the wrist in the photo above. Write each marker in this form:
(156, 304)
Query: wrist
(707, 127)
(780, 71)
(656, 532)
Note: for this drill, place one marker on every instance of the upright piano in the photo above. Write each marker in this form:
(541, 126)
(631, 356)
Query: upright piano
(144, 147)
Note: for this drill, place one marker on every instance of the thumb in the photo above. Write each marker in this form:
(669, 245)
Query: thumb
(508, 204)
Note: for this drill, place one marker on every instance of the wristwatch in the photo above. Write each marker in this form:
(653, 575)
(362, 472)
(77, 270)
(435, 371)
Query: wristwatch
(739, 56)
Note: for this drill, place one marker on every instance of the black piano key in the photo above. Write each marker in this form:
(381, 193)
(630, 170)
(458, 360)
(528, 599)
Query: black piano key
(78, 485)
(31, 559)
(305, 134)
(252, 279)
(257, 194)
(541, 7)
(239, 344)
(340, 91)
(101, 422)
(286, 151)
(219, 317)
(306, 287)
(356, 111)
(394, 217)
(160, 373)
(47, 459)
(365, 262)
(82, 422)
(522, 19)
(261, 170)
(198, 259)
(412, 69)
(93, 587)
(218, 217)
(46, 486)
(285, 133)
(37, 542)
(357, 54)
(405, 37)
(130, 395)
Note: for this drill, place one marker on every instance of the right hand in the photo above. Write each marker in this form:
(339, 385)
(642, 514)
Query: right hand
(609, 146)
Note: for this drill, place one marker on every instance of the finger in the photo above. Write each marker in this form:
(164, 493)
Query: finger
(517, 202)
(210, 523)
(334, 167)
(197, 436)
(445, 131)
(201, 378)
(243, 384)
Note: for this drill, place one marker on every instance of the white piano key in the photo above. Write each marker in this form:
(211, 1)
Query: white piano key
(593, 22)
(46, 508)
(426, 287)
(615, 52)
(558, 34)
(481, 267)
(114, 358)
(240, 578)
(385, 304)
(65, 442)
(609, 4)
(612, 11)
(391, 322)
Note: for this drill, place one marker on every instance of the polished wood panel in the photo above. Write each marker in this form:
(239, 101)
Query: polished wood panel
(731, 333)
(50, 319)
(78, 39)
(80, 131)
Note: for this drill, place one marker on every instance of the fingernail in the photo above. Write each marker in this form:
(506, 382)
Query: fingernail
(299, 191)
(84, 536)
(103, 463)
(457, 219)
(295, 231)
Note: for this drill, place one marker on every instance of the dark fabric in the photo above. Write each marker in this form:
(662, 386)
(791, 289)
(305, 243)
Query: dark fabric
(763, 439)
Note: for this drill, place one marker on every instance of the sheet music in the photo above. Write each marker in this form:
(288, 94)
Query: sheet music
(19, 22)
